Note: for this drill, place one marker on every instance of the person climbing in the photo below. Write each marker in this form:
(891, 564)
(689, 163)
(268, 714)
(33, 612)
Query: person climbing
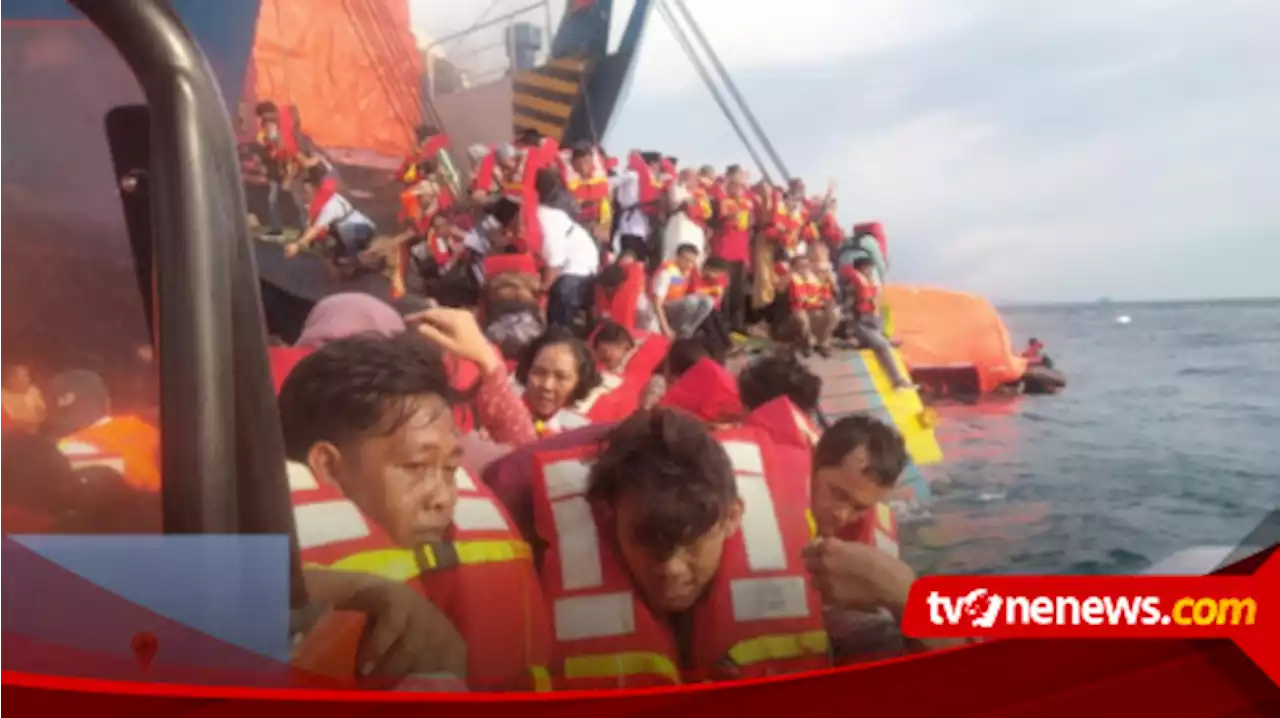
(345, 230)
(1035, 356)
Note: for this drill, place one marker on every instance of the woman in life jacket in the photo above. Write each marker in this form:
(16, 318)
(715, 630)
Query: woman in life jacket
(559, 377)
(380, 487)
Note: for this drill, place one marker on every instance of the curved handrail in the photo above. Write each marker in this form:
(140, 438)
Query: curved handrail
(222, 451)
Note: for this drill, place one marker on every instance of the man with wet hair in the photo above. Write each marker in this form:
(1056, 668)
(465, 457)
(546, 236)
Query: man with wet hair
(670, 489)
(370, 420)
(856, 465)
(769, 377)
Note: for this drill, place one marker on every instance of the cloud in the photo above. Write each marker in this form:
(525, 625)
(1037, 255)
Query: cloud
(1037, 150)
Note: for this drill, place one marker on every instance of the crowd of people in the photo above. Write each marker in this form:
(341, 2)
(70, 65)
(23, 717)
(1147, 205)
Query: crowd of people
(548, 476)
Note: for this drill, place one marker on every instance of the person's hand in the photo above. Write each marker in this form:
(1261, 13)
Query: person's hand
(405, 635)
(857, 576)
(457, 331)
(292, 249)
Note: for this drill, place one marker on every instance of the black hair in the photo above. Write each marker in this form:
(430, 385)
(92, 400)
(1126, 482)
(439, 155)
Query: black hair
(687, 249)
(886, 451)
(428, 166)
(1032, 340)
(528, 136)
(716, 264)
(611, 332)
(357, 386)
(770, 377)
(732, 169)
(581, 150)
(315, 175)
(422, 132)
(683, 354)
(505, 210)
(611, 277)
(863, 262)
(265, 108)
(547, 183)
(588, 375)
(675, 161)
(675, 467)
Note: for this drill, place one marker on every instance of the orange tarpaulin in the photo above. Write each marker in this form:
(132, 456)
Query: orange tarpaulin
(351, 67)
(941, 328)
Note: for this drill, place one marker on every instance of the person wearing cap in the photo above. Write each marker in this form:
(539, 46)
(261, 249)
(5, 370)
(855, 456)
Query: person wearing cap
(569, 254)
(93, 437)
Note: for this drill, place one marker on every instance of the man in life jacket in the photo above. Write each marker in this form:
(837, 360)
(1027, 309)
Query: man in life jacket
(854, 560)
(731, 242)
(638, 190)
(94, 437)
(431, 148)
(868, 328)
(673, 556)
(813, 307)
(346, 232)
(379, 487)
(278, 143)
(1035, 356)
(622, 296)
(679, 308)
(586, 179)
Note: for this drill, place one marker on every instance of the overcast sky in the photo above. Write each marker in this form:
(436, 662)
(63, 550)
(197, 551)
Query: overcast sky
(1024, 149)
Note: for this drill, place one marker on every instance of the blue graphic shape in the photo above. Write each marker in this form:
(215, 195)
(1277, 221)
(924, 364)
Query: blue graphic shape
(234, 588)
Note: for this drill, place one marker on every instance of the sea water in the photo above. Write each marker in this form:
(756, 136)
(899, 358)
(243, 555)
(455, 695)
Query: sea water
(1166, 437)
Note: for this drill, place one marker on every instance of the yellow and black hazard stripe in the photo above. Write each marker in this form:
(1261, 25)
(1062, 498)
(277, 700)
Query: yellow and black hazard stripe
(543, 98)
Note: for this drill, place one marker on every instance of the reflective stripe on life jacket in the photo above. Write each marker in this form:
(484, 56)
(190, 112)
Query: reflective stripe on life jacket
(125, 444)
(484, 558)
(759, 616)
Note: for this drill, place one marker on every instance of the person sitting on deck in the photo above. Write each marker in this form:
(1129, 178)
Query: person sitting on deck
(558, 373)
(614, 284)
(682, 355)
(611, 343)
(680, 309)
(813, 308)
(867, 326)
(345, 230)
(1035, 356)
(93, 436)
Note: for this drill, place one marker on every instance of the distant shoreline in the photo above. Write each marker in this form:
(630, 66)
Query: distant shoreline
(1112, 303)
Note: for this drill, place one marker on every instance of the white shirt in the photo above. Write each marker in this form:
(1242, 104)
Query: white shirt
(566, 245)
(339, 209)
(626, 187)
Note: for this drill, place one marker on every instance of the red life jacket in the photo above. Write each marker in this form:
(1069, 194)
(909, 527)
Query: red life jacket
(1032, 355)
(651, 185)
(787, 224)
(622, 307)
(592, 192)
(759, 613)
(282, 361)
(708, 391)
(435, 144)
(866, 291)
(484, 179)
(484, 562)
(714, 289)
(285, 148)
(325, 192)
(634, 375)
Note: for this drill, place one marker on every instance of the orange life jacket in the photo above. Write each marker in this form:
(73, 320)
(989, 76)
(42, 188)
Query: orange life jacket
(866, 291)
(788, 224)
(714, 289)
(679, 282)
(125, 444)
(592, 191)
(760, 614)
(483, 563)
(806, 292)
